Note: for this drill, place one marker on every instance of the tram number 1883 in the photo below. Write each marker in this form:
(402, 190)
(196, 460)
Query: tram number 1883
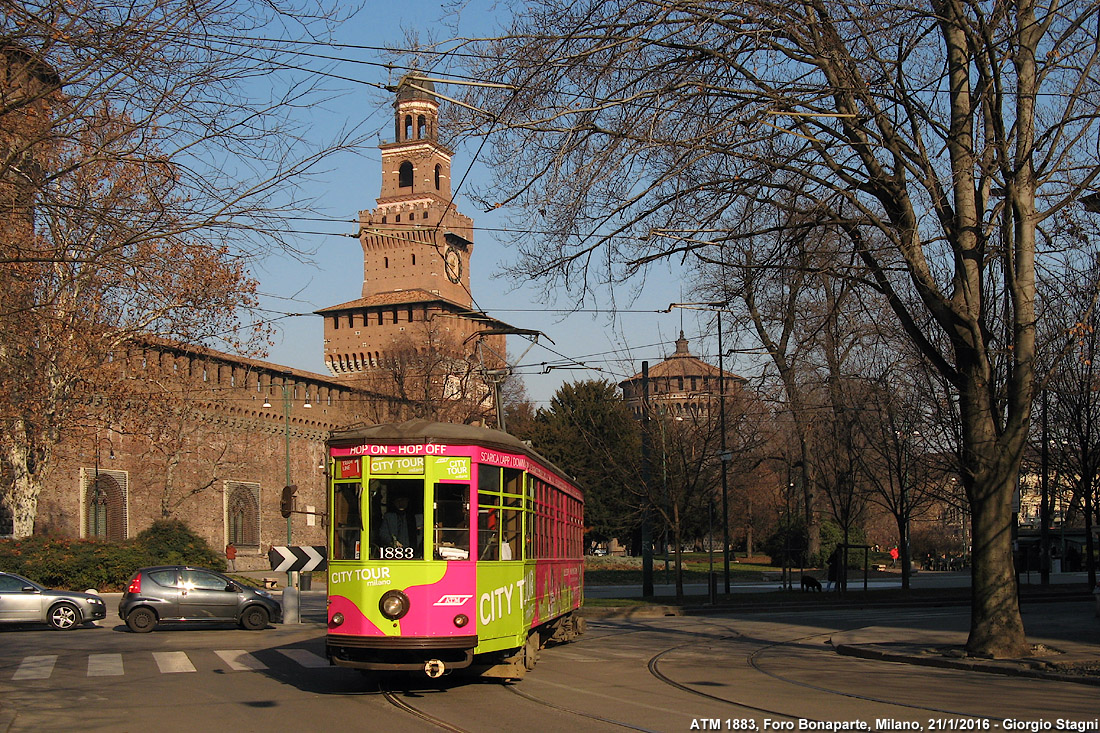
(396, 553)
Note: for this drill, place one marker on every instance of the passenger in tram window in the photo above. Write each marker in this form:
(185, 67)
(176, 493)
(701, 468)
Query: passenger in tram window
(400, 528)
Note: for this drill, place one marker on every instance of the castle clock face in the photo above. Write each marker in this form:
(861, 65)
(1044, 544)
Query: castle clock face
(452, 265)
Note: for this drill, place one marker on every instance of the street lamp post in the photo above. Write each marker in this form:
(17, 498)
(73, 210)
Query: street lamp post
(292, 575)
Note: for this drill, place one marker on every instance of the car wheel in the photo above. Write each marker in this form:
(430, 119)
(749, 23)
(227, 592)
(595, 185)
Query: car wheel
(64, 616)
(254, 618)
(141, 620)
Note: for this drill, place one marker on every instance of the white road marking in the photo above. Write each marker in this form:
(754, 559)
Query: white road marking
(239, 660)
(104, 665)
(35, 668)
(305, 658)
(173, 662)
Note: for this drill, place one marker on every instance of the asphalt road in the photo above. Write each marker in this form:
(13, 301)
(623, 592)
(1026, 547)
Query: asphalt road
(767, 671)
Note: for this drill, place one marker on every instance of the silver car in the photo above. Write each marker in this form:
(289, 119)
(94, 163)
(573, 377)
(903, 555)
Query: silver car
(24, 601)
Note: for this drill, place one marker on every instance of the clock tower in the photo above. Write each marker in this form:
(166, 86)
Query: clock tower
(416, 238)
(416, 254)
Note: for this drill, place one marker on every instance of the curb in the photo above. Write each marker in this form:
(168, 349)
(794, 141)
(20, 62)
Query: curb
(1011, 668)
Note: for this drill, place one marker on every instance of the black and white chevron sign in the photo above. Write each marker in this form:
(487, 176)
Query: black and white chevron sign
(298, 558)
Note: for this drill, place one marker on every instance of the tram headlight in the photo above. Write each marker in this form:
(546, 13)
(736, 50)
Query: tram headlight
(394, 604)
(337, 619)
(461, 620)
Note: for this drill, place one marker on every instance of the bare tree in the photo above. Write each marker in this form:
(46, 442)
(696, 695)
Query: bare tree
(146, 155)
(938, 135)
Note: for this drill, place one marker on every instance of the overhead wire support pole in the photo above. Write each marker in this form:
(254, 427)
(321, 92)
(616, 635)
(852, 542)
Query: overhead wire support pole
(724, 454)
(725, 458)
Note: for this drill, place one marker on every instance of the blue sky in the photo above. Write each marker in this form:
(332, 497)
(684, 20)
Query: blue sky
(349, 183)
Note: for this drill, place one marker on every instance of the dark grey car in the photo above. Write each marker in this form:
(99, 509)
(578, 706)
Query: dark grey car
(23, 601)
(178, 593)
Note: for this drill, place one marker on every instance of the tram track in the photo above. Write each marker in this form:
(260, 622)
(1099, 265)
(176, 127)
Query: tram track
(394, 699)
(588, 716)
(754, 661)
(712, 632)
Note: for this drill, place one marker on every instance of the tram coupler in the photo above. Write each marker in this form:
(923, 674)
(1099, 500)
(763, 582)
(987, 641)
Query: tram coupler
(434, 668)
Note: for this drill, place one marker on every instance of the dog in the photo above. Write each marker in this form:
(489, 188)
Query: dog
(810, 583)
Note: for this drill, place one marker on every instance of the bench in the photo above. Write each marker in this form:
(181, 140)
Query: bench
(270, 583)
(771, 577)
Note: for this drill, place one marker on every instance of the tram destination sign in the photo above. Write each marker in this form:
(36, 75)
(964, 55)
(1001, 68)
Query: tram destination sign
(298, 558)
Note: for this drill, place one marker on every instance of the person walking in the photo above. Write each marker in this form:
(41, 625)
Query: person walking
(231, 557)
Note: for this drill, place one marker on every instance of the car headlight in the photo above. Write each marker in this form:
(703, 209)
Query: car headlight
(393, 604)
(263, 593)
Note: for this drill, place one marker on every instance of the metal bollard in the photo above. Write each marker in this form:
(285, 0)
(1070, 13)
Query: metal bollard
(713, 582)
(291, 607)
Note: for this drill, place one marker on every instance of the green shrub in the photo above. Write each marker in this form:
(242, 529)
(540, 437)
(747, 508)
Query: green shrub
(105, 566)
(171, 542)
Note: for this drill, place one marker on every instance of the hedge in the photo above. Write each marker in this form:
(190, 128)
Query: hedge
(106, 566)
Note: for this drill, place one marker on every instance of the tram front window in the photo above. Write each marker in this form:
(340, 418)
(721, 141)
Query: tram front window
(347, 522)
(397, 519)
(452, 522)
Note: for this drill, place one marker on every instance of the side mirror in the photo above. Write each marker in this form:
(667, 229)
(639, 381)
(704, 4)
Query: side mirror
(231, 587)
(29, 589)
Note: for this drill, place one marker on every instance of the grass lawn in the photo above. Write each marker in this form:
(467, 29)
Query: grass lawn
(697, 566)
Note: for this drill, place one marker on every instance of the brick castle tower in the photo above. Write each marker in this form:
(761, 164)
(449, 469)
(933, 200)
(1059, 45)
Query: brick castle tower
(417, 249)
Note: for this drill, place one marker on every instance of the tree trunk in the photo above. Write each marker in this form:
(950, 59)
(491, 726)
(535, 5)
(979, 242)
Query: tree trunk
(996, 629)
(26, 486)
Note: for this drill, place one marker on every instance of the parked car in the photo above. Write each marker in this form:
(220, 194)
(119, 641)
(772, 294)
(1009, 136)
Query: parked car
(24, 601)
(178, 593)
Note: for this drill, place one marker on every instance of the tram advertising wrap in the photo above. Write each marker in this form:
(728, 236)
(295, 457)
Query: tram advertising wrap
(450, 547)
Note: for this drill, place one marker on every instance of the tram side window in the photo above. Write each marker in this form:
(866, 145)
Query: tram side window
(452, 521)
(488, 513)
(511, 515)
(529, 527)
(488, 527)
(347, 521)
(397, 519)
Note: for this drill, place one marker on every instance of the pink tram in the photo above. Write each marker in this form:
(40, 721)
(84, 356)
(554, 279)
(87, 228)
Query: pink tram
(450, 547)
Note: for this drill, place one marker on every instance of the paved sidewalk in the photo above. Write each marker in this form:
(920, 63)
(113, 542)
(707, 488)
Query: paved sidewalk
(1064, 636)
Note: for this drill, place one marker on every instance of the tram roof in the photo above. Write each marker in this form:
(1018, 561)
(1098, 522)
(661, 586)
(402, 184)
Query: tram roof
(419, 431)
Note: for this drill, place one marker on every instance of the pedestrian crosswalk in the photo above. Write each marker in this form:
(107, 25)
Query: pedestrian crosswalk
(44, 666)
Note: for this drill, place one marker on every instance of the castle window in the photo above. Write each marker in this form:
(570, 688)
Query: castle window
(405, 175)
(437, 177)
(336, 323)
(408, 126)
(383, 220)
(243, 513)
(386, 262)
(105, 500)
(421, 127)
(398, 217)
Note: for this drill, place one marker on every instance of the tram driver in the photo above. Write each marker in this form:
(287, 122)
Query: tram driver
(400, 534)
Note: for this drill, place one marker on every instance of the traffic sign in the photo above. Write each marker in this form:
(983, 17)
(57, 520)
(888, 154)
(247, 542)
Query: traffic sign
(298, 558)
